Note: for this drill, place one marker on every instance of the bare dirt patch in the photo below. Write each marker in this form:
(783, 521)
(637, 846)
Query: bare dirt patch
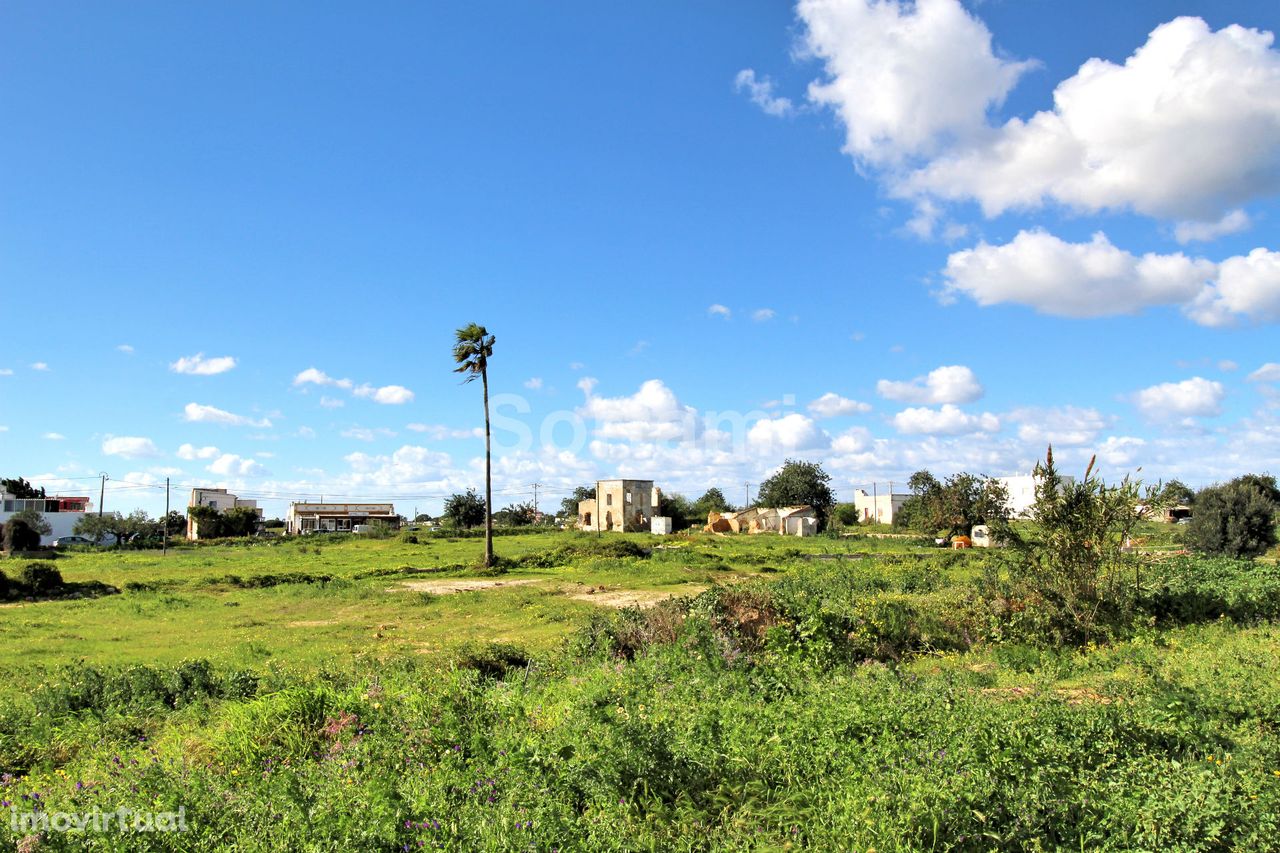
(451, 585)
(623, 597)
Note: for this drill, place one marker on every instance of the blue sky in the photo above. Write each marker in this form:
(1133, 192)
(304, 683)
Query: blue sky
(235, 241)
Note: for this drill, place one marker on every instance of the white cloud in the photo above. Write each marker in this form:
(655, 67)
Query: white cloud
(1202, 232)
(651, 414)
(313, 376)
(367, 434)
(40, 366)
(6, 371)
(3, 428)
(831, 404)
(587, 384)
(1226, 365)
(198, 365)
(197, 413)
(231, 465)
(439, 432)
(410, 464)
(306, 432)
(129, 447)
(1120, 449)
(190, 452)
(533, 383)
(760, 90)
(1247, 286)
(947, 420)
(387, 395)
(761, 315)
(1269, 372)
(719, 310)
(331, 402)
(1188, 128)
(786, 433)
(1091, 279)
(54, 436)
(905, 79)
(1066, 426)
(1196, 397)
(127, 349)
(948, 384)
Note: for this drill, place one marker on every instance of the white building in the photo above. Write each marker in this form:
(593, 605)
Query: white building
(879, 507)
(1022, 492)
(59, 511)
(219, 499)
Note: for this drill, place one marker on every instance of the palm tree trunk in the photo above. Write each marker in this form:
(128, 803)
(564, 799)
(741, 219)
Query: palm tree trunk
(488, 482)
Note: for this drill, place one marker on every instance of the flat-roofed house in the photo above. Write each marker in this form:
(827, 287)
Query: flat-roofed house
(218, 499)
(336, 517)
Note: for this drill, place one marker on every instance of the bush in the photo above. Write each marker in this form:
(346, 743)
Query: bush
(41, 578)
(493, 660)
(18, 536)
(1233, 520)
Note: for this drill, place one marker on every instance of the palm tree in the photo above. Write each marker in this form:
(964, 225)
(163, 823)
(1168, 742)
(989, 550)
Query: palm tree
(472, 348)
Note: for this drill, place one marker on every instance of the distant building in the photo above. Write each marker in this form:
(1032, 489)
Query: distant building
(336, 518)
(878, 507)
(59, 511)
(787, 520)
(219, 499)
(1022, 492)
(624, 505)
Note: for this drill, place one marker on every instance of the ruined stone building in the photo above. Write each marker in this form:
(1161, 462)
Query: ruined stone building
(624, 505)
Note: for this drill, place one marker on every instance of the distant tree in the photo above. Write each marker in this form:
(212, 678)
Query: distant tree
(516, 515)
(712, 500)
(845, 514)
(99, 527)
(954, 506)
(239, 521)
(472, 349)
(799, 483)
(35, 520)
(677, 507)
(20, 488)
(1175, 493)
(466, 510)
(421, 517)
(1237, 519)
(1264, 483)
(18, 536)
(569, 506)
(175, 523)
(922, 483)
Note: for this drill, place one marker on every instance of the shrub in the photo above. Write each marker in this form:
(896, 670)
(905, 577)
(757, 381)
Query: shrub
(493, 660)
(1233, 520)
(18, 536)
(41, 578)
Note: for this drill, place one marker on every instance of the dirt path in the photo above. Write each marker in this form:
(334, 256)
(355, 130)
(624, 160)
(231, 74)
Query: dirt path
(451, 585)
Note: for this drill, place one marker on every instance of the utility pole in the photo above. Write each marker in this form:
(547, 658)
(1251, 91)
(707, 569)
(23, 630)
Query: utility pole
(164, 524)
(535, 501)
(747, 486)
(102, 492)
(875, 504)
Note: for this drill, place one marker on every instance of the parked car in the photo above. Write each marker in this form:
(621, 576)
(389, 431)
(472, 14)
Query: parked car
(69, 541)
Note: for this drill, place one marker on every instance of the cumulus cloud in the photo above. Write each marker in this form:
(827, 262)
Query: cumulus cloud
(6, 371)
(1187, 128)
(1247, 287)
(1203, 232)
(129, 447)
(948, 384)
(313, 376)
(1066, 426)
(40, 367)
(653, 413)
(1269, 372)
(198, 365)
(1195, 397)
(719, 310)
(760, 91)
(190, 452)
(533, 383)
(54, 436)
(231, 465)
(410, 464)
(1091, 279)
(331, 402)
(440, 432)
(127, 349)
(761, 315)
(197, 413)
(905, 79)
(947, 420)
(786, 433)
(831, 405)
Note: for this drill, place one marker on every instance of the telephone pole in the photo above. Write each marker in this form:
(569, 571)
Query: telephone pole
(535, 501)
(164, 524)
(747, 486)
(102, 492)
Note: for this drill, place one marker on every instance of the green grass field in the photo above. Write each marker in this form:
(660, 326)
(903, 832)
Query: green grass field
(635, 693)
